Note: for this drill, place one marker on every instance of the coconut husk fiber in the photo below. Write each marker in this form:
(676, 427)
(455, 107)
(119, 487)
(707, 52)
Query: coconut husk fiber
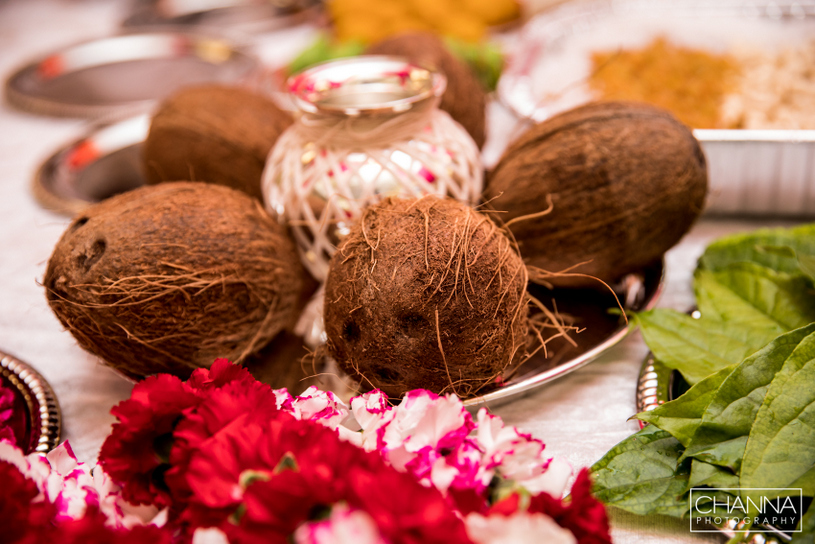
(167, 278)
(215, 134)
(465, 99)
(625, 182)
(425, 293)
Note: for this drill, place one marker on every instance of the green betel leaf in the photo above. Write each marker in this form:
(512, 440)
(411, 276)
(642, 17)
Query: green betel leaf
(744, 321)
(807, 265)
(695, 347)
(807, 526)
(721, 436)
(705, 474)
(641, 475)
(777, 297)
(780, 452)
(682, 416)
(774, 248)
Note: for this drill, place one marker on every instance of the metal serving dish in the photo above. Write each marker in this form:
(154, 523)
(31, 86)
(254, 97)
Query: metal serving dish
(243, 15)
(104, 162)
(760, 172)
(594, 311)
(40, 427)
(128, 72)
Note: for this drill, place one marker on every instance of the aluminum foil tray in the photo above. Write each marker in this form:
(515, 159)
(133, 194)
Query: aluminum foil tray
(752, 172)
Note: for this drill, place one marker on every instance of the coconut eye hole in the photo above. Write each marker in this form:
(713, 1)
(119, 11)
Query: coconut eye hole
(89, 258)
(350, 331)
(78, 223)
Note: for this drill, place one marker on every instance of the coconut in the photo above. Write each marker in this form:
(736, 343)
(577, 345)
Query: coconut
(465, 99)
(168, 278)
(214, 134)
(425, 293)
(625, 182)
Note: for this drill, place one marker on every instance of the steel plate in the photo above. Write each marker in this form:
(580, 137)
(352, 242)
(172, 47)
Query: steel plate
(41, 429)
(125, 73)
(594, 311)
(104, 162)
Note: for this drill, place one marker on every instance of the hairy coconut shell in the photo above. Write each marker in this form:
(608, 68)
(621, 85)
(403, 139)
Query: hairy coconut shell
(425, 293)
(168, 278)
(626, 182)
(465, 99)
(214, 134)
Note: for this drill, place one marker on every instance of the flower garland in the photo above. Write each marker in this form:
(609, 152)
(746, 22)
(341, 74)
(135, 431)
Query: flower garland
(222, 458)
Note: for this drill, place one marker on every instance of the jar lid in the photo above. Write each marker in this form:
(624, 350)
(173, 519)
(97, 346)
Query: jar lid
(365, 85)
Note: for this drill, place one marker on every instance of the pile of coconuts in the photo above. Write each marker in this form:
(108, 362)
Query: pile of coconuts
(431, 294)
(423, 293)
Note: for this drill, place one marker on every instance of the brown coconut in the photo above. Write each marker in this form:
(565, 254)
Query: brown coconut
(168, 278)
(626, 181)
(465, 99)
(425, 293)
(215, 134)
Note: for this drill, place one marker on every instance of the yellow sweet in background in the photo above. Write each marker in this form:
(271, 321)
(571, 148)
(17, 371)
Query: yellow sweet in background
(368, 21)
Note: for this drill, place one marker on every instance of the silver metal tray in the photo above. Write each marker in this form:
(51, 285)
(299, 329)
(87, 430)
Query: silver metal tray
(242, 15)
(125, 73)
(42, 427)
(604, 328)
(104, 162)
(752, 172)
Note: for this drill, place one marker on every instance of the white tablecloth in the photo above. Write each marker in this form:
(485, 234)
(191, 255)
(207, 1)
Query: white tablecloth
(579, 417)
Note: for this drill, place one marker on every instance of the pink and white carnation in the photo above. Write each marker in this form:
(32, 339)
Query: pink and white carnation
(435, 439)
(344, 525)
(73, 487)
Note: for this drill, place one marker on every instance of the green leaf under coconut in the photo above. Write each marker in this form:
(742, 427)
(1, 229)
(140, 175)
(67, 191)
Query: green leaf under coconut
(682, 416)
(721, 437)
(780, 451)
(779, 249)
(641, 474)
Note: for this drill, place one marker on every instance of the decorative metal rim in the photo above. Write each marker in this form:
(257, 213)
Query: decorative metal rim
(43, 408)
(321, 80)
(136, 131)
(41, 105)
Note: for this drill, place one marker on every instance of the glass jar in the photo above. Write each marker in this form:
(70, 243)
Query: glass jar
(366, 128)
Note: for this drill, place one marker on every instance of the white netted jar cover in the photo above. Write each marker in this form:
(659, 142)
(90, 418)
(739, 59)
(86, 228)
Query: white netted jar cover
(367, 128)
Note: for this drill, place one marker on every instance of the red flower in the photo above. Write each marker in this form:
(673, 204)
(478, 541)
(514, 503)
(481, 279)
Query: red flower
(219, 374)
(582, 514)
(222, 406)
(260, 480)
(91, 529)
(137, 451)
(19, 515)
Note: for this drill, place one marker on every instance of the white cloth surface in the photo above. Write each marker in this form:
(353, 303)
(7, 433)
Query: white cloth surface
(580, 416)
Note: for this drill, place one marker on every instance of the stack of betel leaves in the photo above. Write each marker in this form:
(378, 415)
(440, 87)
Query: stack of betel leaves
(745, 426)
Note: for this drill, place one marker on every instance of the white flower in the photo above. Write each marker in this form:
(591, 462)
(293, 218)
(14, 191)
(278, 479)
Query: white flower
(519, 528)
(344, 526)
(209, 536)
(519, 457)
